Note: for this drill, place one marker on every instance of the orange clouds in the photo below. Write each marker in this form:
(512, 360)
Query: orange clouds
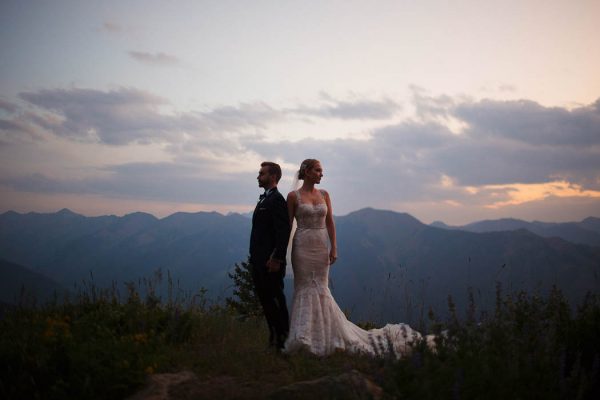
(519, 193)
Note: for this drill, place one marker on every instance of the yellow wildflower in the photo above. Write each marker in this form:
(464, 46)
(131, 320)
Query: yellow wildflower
(140, 338)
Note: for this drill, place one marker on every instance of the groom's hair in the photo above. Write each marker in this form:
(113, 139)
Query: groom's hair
(274, 169)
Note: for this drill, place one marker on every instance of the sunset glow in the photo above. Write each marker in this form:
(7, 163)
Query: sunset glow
(521, 193)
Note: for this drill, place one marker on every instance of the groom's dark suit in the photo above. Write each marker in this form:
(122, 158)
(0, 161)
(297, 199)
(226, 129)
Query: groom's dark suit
(269, 239)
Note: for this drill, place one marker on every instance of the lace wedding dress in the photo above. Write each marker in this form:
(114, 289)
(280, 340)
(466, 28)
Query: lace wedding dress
(317, 322)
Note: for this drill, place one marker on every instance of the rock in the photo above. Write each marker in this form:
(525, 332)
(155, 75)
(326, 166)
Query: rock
(186, 385)
(159, 386)
(351, 385)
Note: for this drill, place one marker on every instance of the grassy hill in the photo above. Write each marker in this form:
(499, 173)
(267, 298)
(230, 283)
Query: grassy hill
(18, 284)
(98, 347)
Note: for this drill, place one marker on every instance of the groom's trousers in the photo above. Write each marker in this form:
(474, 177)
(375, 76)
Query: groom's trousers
(269, 289)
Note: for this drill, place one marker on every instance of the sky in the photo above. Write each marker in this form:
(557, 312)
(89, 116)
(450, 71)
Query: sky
(453, 111)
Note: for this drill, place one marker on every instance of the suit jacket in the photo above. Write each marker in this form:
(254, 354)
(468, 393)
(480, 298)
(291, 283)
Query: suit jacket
(270, 229)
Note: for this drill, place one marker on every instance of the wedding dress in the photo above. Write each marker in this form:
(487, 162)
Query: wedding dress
(317, 323)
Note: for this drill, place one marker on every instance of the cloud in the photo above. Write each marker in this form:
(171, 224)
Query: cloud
(112, 27)
(416, 160)
(199, 182)
(505, 87)
(116, 117)
(529, 122)
(506, 150)
(15, 131)
(117, 29)
(429, 107)
(7, 106)
(22, 127)
(159, 59)
(228, 118)
(125, 115)
(353, 109)
(519, 193)
(483, 162)
(503, 142)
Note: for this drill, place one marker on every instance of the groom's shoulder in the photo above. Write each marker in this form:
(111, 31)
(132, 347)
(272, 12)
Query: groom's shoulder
(278, 195)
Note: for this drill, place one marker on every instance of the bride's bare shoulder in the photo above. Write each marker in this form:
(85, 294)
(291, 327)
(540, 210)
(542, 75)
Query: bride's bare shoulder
(291, 195)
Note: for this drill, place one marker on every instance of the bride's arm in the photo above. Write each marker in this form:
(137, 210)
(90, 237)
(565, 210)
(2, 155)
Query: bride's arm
(291, 205)
(331, 230)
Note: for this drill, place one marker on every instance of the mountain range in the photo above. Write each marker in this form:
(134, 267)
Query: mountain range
(392, 267)
(19, 285)
(586, 231)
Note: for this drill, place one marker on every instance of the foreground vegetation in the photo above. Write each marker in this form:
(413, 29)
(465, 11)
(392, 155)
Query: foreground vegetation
(529, 348)
(102, 346)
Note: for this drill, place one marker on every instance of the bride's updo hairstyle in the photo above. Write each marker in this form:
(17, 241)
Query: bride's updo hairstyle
(305, 166)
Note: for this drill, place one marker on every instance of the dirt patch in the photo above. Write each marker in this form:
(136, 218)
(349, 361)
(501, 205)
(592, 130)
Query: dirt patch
(186, 385)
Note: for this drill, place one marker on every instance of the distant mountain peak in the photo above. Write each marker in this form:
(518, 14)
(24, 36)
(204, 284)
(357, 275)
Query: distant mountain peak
(440, 224)
(499, 220)
(376, 215)
(65, 212)
(10, 212)
(584, 232)
(139, 214)
(186, 214)
(196, 213)
(591, 219)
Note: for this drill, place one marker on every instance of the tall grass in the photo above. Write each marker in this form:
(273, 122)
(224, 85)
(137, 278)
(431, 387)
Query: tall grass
(102, 344)
(530, 348)
(94, 346)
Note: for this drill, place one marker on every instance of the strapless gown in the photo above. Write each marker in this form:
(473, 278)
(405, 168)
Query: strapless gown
(317, 324)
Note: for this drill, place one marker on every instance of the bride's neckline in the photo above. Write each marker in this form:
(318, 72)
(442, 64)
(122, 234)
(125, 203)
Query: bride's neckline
(312, 204)
(300, 202)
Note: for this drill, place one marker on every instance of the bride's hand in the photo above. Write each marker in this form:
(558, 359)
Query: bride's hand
(332, 256)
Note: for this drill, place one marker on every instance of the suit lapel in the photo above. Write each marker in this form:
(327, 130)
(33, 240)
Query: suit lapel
(254, 213)
(265, 200)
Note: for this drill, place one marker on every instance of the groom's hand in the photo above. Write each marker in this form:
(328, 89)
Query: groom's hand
(273, 265)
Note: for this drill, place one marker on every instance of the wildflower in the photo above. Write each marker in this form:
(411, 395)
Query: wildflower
(56, 327)
(140, 338)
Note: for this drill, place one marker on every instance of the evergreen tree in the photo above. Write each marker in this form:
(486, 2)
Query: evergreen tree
(244, 301)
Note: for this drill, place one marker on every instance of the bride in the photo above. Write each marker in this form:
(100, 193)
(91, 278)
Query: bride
(317, 324)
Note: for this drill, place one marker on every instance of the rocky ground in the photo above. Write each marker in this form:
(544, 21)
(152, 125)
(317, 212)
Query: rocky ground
(186, 385)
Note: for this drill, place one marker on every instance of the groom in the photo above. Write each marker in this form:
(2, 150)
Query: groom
(268, 247)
